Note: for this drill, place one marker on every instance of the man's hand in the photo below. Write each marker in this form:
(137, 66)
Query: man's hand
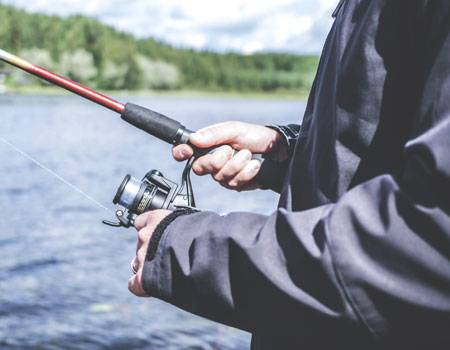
(233, 170)
(145, 225)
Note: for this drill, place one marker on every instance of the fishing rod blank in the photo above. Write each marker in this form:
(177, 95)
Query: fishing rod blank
(145, 119)
(61, 81)
(154, 123)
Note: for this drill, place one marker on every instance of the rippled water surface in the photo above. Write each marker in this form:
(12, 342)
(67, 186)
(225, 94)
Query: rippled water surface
(63, 275)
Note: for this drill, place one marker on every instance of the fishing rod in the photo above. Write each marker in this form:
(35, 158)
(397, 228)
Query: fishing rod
(154, 123)
(154, 191)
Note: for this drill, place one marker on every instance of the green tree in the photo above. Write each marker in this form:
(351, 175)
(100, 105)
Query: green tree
(94, 53)
(114, 75)
(133, 77)
(78, 65)
(158, 74)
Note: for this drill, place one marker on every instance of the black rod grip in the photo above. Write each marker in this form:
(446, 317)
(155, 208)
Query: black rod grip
(154, 123)
(173, 132)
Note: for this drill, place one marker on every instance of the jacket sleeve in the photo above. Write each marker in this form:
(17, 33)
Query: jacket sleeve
(290, 134)
(379, 258)
(275, 170)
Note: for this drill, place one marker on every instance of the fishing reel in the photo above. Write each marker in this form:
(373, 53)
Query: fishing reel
(154, 191)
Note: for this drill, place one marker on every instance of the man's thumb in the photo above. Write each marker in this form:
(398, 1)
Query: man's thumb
(213, 136)
(201, 139)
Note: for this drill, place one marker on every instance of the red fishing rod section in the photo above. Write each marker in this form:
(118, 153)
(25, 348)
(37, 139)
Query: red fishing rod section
(154, 123)
(63, 82)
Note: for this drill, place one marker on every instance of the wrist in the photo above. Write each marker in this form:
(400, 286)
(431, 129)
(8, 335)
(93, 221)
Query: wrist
(278, 148)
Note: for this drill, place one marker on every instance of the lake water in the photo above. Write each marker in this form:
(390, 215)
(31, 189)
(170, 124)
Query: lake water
(63, 275)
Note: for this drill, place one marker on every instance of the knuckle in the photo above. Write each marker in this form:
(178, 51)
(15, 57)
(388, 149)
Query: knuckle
(236, 127)
(141, 256)
(150, 217)
(197, 168)
(216, 164)
(234, 169)
(141, 221)
(218, 161)
(197, 171)
(231, 128)
(142, 235)
(210, 133)
(235, 166)
(228, 150)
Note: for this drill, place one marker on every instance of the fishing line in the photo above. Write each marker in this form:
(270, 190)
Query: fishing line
(54, 174)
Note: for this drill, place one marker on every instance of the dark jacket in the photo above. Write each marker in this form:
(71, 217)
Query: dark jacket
(358, 252)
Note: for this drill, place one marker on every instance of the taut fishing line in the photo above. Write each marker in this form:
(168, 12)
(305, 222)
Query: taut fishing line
(53, 173)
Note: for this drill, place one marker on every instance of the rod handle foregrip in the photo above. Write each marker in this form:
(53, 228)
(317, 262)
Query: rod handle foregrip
(153, 123)
(173, 132)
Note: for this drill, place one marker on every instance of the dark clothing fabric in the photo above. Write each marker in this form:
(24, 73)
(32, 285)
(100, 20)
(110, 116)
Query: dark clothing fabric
(358, 252)
(290, 134)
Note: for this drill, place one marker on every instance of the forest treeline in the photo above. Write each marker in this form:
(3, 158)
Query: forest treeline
(97, 54)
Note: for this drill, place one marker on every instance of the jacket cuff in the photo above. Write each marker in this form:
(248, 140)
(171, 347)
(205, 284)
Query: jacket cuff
(290, 134)
(161, 228)
(156, 275)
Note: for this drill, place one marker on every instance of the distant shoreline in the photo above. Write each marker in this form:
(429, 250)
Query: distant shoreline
(278, 95)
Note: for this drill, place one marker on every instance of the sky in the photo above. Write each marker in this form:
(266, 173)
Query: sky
(246, 26)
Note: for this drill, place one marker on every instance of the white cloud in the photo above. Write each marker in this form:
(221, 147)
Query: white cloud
(239, 25)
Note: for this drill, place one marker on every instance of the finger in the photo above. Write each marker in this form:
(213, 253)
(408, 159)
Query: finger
(213, 162)
(141, 255)
(134, 264)
(135, 285)
(214, 135)
(138, 244)
(182, 152)
(144, 235)
(141, 221)
(246, 175)
(234, 166)
(139, 260)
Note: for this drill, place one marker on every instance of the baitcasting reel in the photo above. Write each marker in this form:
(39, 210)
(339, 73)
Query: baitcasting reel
(154, 191)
